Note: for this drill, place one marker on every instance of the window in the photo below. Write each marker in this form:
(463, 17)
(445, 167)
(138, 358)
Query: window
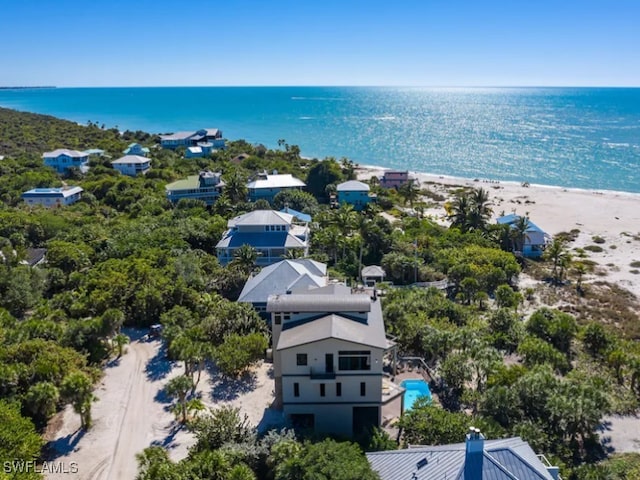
(277, 318)
(301, 359)
(322, 390)
(338, 389)
(363, 389)
(354, 360)
(296, 389)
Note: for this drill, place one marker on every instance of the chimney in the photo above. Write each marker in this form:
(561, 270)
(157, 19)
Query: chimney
(474, 455)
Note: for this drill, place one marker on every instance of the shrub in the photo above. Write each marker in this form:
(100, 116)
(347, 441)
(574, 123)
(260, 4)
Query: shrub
(597, 239)
(594, 248)
(237, 353)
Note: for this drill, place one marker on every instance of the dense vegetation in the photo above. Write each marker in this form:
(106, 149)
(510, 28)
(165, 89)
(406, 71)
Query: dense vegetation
(124, 257)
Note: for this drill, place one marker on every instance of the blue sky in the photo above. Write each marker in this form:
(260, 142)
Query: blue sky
(330, 42)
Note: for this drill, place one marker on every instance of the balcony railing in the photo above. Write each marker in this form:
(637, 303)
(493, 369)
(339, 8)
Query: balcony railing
(316, 374)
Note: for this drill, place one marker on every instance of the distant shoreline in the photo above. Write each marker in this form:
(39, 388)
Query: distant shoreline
(29, 88)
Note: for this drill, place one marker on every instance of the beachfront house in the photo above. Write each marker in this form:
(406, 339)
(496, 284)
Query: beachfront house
(372, 274)
(282, 277)
(52, 197)
(192, 138)
(202, 149)
(267, 186)
(355, 193)
(206, 186)
(534, 240)
(395, 178)
(63, 159)
(271, 233)
(476, 459)
(132, 165)
(136, 149)
(328, 347)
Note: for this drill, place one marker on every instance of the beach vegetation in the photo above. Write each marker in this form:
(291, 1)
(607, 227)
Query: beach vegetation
(593, 248)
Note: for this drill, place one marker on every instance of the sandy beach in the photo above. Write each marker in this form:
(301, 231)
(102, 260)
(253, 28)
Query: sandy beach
(613, 216)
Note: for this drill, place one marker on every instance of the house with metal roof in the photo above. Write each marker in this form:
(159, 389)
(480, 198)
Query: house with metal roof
(535, 239)
(355, 193)
(267, 186)
(206, 186)
(303, 217)
(52, 197)
(63, 159)
(192, 138)
(372, 274)
(132, 165)
(271, 233)
(136, 149)
(476, 459)
(328, 348)
(285, 276)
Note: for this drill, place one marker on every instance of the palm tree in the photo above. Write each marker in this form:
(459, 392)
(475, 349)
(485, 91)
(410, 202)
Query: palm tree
(245, 258)
(410, 192)
(480, 210)
(556, 253)
(459, 212)
(119, 341)
(236, 188)
(178, 388)
(519, 233)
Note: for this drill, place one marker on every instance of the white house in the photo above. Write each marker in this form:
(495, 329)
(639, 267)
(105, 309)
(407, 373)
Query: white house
(132, 165)
(206, 186)
(328, 347)
(282, 277)
(52, 197)
(268, 186)
(476, 459)
(271, 233)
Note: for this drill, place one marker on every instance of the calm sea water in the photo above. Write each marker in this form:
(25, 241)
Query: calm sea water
(573, 137)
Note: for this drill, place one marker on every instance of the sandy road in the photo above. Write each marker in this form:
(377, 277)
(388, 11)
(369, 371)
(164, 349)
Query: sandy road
(129, 415)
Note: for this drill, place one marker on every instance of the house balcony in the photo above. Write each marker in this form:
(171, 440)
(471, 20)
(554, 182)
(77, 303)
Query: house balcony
(321, 374)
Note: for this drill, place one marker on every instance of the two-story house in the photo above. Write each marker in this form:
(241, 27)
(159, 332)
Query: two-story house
(206, 186)
(271, 233)
(355, 193)
(328, 347)
(63, 159)
(192, 138)
(136, 149)
(52, 197)
(132, 165)
(281, 277)
(395, 178)
(267, 186)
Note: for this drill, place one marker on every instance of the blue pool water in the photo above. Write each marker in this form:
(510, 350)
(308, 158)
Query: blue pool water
(414, 389)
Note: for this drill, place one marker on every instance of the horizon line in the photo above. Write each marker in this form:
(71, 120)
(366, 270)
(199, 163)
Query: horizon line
(18, 87)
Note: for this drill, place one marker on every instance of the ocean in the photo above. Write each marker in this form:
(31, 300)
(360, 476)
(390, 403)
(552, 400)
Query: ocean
(570, 137)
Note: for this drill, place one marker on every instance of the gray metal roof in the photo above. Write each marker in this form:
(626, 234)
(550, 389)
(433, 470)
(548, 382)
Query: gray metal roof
(64, 151)
(131, 159)
(276, 181)
(373, 271)
(283, 276)
(505, 459)
(261, 217)
(332, 326)
(353, 186)
(311, 302)
(178, 135)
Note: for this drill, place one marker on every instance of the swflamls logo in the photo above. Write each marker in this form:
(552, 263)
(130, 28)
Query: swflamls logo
(31, 466)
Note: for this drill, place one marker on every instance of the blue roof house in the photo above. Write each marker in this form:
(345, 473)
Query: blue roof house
(136, 149)
(132, 165)
(267, 186)
(271, 233)
(476, 459)
(535, 239)
(355, 193)
(52, 197)
(192, 138)
(63, 159)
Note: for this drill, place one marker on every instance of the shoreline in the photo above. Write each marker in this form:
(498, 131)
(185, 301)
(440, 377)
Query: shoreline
(602, 220)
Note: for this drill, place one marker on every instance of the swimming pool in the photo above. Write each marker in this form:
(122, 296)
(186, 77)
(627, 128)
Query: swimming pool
(414, 389)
